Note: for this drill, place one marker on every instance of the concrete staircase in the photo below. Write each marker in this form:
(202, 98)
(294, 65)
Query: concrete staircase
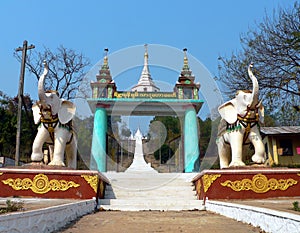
(138, 191)
(141, 187)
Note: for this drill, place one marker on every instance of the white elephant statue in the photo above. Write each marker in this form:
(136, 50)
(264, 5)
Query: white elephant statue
(239, 126)
(56, 130)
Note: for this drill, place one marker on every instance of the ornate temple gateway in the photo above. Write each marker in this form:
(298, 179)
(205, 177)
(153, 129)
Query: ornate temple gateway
(146, 99)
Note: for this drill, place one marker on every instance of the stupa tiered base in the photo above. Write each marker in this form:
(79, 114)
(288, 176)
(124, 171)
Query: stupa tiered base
(248, 183)
(51, 182)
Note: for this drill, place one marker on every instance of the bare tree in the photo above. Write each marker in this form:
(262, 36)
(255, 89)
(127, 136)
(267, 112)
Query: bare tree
(66, 69)
(274, 47)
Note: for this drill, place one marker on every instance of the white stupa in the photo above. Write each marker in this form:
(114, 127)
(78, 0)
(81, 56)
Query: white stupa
(145, 83)
(139, 164)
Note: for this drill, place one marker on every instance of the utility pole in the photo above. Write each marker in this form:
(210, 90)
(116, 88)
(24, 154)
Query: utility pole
(20, 97)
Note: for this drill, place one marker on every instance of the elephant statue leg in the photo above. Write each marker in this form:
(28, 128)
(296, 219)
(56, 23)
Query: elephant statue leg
(71, 153)
(256, 140)
(224, 153)
(37, 146)
(51, 151)
(61, 138)
(236, 142)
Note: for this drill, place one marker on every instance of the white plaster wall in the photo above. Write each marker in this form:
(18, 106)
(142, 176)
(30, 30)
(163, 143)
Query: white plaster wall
(45, 220)
(268, 220)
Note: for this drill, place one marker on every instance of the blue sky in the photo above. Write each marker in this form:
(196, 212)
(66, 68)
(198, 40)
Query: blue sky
(207, 28)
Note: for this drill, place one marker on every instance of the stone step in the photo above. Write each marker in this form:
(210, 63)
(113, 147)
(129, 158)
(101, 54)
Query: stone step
(178, 187)
(144, 205)
(186, 192)
(125, 196)
(150, 186)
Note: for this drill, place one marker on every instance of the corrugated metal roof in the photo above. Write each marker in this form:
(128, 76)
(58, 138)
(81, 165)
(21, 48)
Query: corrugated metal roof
(280, 130)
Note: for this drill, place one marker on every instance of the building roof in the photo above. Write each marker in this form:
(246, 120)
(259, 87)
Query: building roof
(280, 130)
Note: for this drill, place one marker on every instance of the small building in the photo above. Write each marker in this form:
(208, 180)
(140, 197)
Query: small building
(282, 144)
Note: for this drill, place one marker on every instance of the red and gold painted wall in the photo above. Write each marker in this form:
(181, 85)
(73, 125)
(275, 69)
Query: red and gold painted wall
(73, 184)
(247, 183)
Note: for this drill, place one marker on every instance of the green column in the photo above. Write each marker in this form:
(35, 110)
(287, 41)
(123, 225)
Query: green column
(98, 157)
(191, 147)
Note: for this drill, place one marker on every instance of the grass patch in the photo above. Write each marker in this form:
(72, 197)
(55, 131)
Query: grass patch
(11, 206)
(296, 206)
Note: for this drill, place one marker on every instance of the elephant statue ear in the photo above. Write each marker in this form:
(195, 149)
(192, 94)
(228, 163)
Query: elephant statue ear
(36, 113)
(228, 112)
(66, 112)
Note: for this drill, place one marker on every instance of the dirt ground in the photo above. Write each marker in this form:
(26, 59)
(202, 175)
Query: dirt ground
(157, 221)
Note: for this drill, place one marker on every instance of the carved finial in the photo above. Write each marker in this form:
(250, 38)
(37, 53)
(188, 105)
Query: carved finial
(185, 59)
(105, 62)
(146, 50)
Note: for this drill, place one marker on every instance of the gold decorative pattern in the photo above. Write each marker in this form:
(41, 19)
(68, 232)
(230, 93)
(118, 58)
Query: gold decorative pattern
(198, 187)
(1, 173)
(92, 181)
(259, 184)
(208, 179)
(40, 184)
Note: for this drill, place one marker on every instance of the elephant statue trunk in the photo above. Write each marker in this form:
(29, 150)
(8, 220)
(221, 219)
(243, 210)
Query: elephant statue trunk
(239, 126)
(56, 129)
(41, 91)
(254, 97)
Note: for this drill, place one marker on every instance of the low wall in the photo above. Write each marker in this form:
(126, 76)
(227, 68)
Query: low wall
(268, 220)
(46, 219)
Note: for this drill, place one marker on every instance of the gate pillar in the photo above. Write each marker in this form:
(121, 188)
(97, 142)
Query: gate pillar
(98, 153)
(191, 147)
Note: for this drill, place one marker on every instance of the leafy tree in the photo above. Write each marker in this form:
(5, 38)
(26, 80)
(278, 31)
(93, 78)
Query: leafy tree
(113, 125)
(125, 131)
(8, 116)
(172, 125)
(84, 131)
(274, 48)
(66, 69)
(167, 129)
(205, 134)
(164, 153)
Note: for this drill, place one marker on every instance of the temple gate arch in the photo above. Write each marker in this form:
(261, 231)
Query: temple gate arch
(145, 99)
